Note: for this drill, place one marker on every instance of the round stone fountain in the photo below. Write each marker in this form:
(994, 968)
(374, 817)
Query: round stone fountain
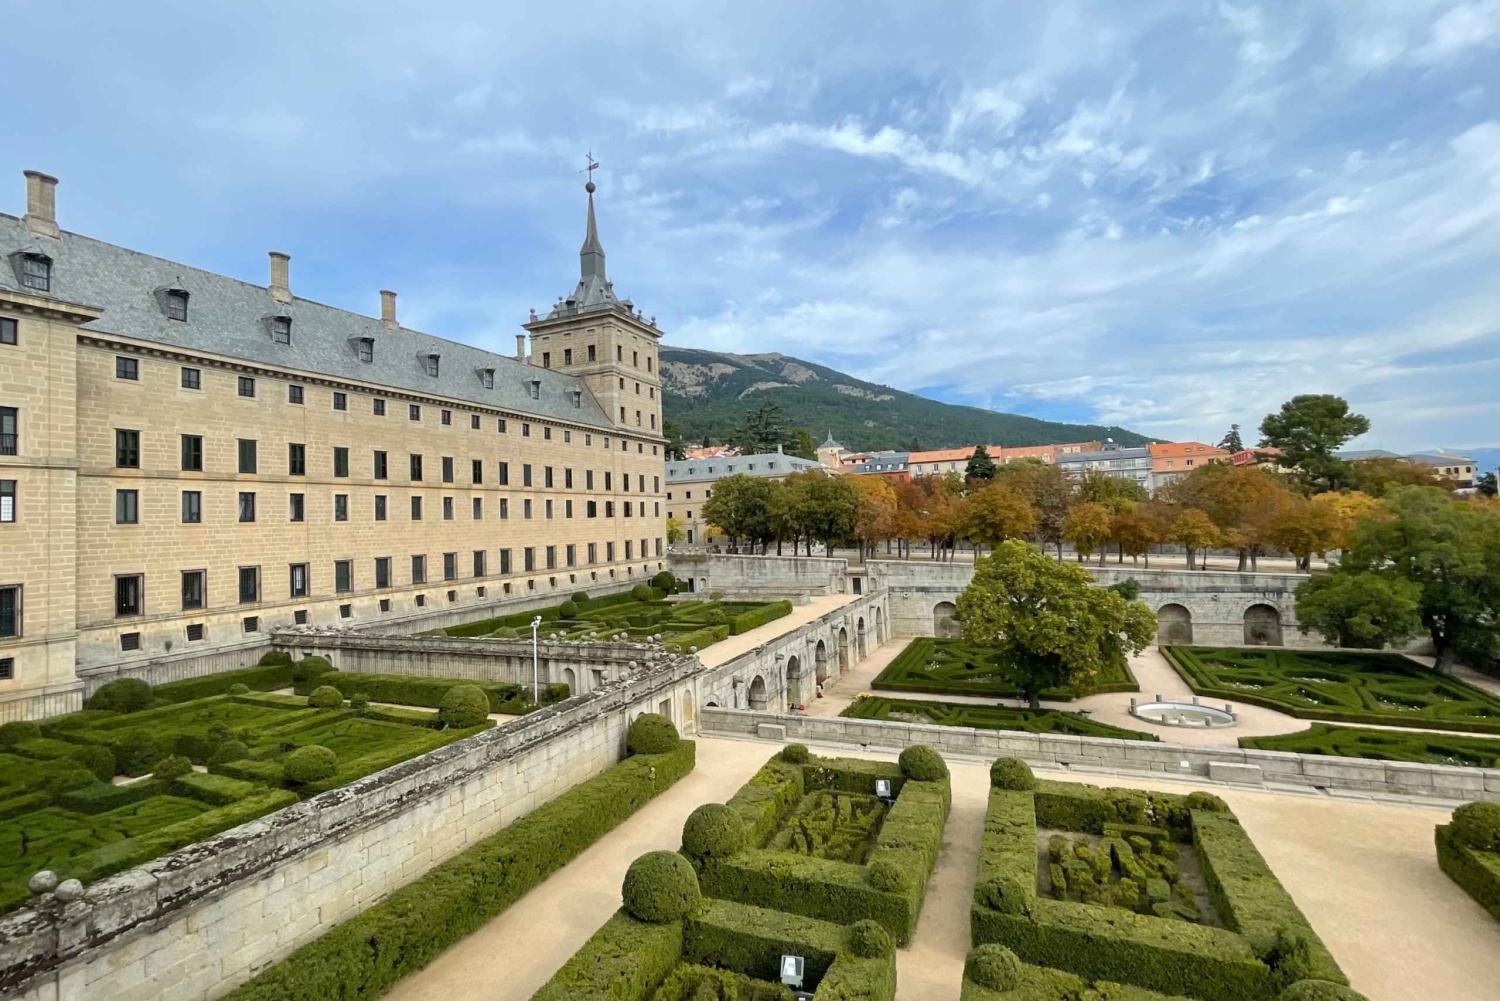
(1174, 712)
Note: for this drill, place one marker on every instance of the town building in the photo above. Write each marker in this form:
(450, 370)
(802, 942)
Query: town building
(188, 460)
(830, 453)
(943, 461)
(690, 483)
(891, 465)
(1124, 463)
(1172, 460)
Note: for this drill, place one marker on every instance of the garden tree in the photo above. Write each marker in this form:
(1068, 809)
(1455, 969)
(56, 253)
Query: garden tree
(1086, 527)
(762, 430)
(1194, 530)
(675, 532)
(1231, 441)
(1241, 501)
(741, 508)
(1347, 508)
(946, 521)
(1051, 496)
(674, 447)
(874, 512)
(802, 445)
(1309, 429)
(997, 513)
(1359, 609)
(1111, 491)
(1376, 476)
(1135, 531)
(1047, 620)
(1303, 528)
(1486, 484)
(981, 466)
(1448, 548)
(911, 512)
(820, 507)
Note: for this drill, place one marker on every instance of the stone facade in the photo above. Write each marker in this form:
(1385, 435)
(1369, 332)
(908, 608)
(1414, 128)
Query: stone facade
(756, 576)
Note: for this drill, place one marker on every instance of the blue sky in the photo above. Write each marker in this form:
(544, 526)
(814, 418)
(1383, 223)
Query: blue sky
(1170, 216)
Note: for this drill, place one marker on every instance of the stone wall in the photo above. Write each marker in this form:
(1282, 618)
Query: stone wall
(1395, 778)
(197, 922)
(759, 576)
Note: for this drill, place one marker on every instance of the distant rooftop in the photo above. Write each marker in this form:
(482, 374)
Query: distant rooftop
(760, 464)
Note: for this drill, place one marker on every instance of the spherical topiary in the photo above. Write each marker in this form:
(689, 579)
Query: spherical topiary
(712, 831)
(325, 697)
(868, 939)
(795, 754)
(993, 966)
(230, 750)
(309, 764)
(1205, 801)
(886, 876)
(664, 581)
(506, 633)
(1320, 990)
(716, 617)
(579, 597)
(1477, 825)
(173, 767)
(567, 610)
(309, 668)
(124, 695)
(464, 705)
(1013, 774)
(100, 761)
(276, 658)
(12, 734)
(239, 688)
(359, 701)
(641, 592)
(660, 887)
(923, 763)
(651, 733)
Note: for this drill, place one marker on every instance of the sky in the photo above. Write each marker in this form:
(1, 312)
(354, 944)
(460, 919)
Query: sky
(1170, 216)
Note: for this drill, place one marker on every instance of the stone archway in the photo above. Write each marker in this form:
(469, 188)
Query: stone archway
(758, 693)
(879, 626)
(820, 662)
(1174, 624)
(689, 717)
(710, 704)
(1262, 626)
(843, 650)
(944, 625)
(570, 680)
(703, 584)
(798, 691)
(859, 639)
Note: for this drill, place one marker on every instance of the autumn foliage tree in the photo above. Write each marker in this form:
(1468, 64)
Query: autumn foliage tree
(1087, 527)
(998, 513)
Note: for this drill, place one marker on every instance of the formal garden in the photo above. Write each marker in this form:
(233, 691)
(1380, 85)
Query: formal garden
(143, 771)
(1379, 688)
(1384, 745)
(957, 667)
(987, 717)
(642, 613)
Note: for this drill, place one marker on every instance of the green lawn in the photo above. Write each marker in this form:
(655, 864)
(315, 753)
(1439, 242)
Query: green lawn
(1381, 688)
(954, 667)
(986, 717)
(1384, 745)
(683, 624)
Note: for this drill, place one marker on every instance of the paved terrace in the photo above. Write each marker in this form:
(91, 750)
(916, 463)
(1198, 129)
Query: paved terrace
(727, 649)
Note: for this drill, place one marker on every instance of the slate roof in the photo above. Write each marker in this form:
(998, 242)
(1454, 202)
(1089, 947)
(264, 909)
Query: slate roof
(760, 464)
(230, 317)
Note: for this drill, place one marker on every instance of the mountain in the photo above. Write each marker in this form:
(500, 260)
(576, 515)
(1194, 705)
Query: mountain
(709, 393)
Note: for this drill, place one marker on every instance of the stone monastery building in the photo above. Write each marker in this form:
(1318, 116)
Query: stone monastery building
(189, 460)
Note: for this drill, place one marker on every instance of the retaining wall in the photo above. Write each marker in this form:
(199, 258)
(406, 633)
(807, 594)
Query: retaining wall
(754, 576)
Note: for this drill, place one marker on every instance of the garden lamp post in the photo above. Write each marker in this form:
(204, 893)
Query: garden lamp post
(535, 698)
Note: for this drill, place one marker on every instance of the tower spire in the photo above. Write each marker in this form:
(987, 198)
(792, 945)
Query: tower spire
(591, 256)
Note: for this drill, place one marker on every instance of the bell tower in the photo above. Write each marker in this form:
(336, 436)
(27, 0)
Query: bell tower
(603, 340)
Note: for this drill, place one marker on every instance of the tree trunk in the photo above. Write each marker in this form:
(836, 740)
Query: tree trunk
(1445, 658)
(1036, 701)
(1243, 554)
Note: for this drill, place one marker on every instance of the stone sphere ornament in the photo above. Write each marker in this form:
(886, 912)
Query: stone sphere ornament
(69, 890)
(43, 882)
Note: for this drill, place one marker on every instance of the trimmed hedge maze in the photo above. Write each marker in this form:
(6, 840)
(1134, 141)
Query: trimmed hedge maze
(1252, 944)
(1468, 850)
(635, 616)
(1381, 688)
(1384, 745)
(986, 717)
(954, 667)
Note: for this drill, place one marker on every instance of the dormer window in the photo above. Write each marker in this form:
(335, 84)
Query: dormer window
(577, 399)
(281, 329)
(487, 378)
(176, 303)
(36, 272)
(366, 349)
(536, 389)
(430, 364)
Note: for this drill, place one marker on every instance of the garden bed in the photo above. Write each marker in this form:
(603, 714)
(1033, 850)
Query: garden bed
(1384, 745)
(987, 717)
(956, 667)
(1380, 688)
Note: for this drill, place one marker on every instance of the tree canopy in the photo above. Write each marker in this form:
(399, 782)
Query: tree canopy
(1231, 441)
(1308, 430)
(980, 466)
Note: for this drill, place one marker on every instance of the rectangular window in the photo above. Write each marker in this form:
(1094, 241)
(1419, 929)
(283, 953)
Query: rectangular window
(416, 509)
(379, 407)
(340, 461)
(593, 552)
(343, 576)
(477, 504)
(505, 474)
(380, 507)
(7, 501)
(479, 563)
(658, 545)
(419, 569)
(294, 394)
(10, 611)
(192, 453)
(588, 479)
(530, 558)
(192, 378)
(592, 355)
(591, 509)
(504, 508)
(366, 352)
(609, 552)
(127, 449)
(627, 509)
(627, 549)
(450, 566)
(546, 359)
(247, 506)
(346, 611)
(500, 426)
(474, 419)
(447, 417)
(551, 557)
(340, 401)
(447, 508)
(379, 465)
(567, 479)
(340, 507)
(36, 272)
(127, 507)
(195, 632)
(567, 356)
(247, 455)
(127, 368)
(547, 477)
(416, 468)
(656, 484)
(296, 508)
(505, 562)
(192, 507)
(526, 508)
(526, 474)
(476, 471)
(251, 623)
(296, 459)
(281, 329)
(568, 508)
(7, 330)
(609, 509)
(129, 595)
(447, 469)
(382, 571)
(525, 430)
(414, 412)
(572, 555)
(247, 386)
(298, 586)
(548, 505)
(608, 480)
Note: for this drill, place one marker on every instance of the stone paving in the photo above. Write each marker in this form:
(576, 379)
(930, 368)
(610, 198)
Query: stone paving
(727, 649)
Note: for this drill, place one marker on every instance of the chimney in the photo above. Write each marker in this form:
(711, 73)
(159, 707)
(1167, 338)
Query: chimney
(520, 347)
(388, 309)
(41, 203)
(281, 289)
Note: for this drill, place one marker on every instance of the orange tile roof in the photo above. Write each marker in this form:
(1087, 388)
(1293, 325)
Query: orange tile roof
(1163, 449)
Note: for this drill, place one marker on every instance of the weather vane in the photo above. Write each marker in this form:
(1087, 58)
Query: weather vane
(593, 166)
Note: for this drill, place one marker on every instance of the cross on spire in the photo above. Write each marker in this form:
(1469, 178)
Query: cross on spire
(593, 165)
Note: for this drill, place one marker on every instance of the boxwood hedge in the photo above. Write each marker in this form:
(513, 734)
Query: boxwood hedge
(365, 955)
(1477, 872)
(746, 621)
(274, 671)
(504, 697)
